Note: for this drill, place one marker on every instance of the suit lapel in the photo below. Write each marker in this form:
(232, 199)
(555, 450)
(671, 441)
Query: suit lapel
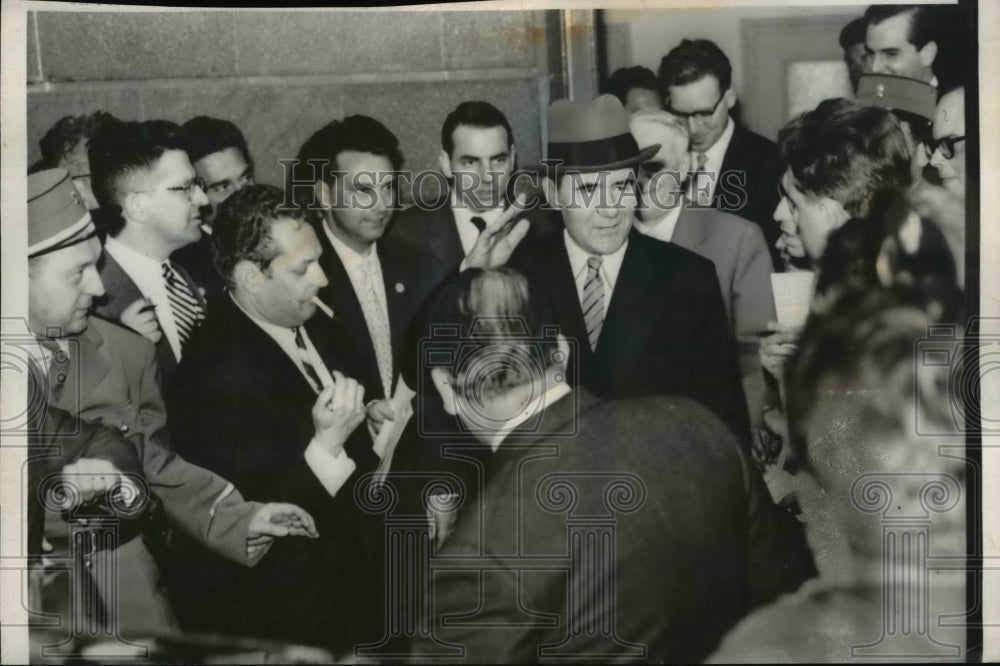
(688, 233)
(398, 288)
(120, 289)
(88, 366)
(629, 317)
(445, 240)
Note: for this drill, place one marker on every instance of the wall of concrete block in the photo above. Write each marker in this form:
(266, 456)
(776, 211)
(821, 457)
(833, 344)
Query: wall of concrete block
(281, 75)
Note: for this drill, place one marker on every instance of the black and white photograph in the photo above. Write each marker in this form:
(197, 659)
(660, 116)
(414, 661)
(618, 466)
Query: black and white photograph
(500, 333)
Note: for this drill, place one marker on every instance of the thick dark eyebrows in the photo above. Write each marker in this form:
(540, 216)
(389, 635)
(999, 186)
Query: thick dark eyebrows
(500, 156)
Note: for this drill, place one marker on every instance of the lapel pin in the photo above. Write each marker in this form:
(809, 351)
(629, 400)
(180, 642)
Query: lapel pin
(880, 90)
(400, 288)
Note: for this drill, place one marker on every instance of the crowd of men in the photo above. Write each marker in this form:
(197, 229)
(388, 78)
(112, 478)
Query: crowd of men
(227, 369)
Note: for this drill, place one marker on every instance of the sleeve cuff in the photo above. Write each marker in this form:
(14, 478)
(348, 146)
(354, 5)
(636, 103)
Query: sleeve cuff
(331, 470)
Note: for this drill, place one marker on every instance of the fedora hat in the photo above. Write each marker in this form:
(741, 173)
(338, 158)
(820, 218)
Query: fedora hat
(592, 135)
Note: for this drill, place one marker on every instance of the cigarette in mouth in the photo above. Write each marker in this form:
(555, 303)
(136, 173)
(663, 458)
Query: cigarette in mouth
(327, 310)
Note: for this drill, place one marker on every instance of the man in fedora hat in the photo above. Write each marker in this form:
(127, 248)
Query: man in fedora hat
(647, 317)
(100, 373)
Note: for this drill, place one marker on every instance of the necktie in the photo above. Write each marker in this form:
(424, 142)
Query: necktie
(307, 365)
(700, 195)
(188, 312)
(377, 321)
(593, 300)
(479, 222)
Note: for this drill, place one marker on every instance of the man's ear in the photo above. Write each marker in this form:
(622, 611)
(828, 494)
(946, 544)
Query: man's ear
(443, 383)
(248, 276)
(444, 161)
(731, 98)
(135, 206)
(551, 191)
(928, 54)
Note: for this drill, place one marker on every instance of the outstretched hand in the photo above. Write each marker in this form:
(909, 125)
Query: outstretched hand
(273, 520)
(499, 239)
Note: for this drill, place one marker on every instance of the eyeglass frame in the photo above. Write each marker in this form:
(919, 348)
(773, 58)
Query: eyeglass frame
(197, 181)
(698, 116)
(946, 145)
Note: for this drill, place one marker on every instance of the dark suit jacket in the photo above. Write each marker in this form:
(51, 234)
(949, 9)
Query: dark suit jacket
(240, 407)
(196, 258)
(752, 165)
(665, 330)
(120, 291)
(407, 283)
(434, 234)
(695, 543)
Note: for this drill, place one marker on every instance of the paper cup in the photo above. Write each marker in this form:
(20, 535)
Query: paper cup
(793, 294)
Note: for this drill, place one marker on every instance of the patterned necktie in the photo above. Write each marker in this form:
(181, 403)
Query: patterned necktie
(307, 365)
(479, 223)
(377, 321)
(188, 312)
(699, 193)
(593, 300)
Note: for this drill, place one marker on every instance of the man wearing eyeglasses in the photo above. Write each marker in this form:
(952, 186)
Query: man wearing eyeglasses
(948, 155)
(219, 154)
(733, 169)
(152, 201)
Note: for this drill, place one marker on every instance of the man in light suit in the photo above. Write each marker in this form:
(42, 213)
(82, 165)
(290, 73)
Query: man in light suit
(151, 201)
(260, 399)
(478, 157)
(695, 541)
(103, 374)
(736, 246)
(647, 317)
(733, 169)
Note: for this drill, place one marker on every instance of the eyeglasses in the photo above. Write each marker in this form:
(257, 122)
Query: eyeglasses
(698, 116)
(187, 188)
(946, 145)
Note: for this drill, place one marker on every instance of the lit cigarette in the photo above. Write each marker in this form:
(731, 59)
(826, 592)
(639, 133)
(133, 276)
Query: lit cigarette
(327, 310)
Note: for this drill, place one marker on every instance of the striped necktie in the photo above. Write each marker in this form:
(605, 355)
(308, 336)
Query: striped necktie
(698, 194)
(307, 365)
(593, 300)
(188, 312)
(377, 321)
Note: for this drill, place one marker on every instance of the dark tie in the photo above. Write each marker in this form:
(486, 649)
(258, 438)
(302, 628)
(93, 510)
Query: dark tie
(188, 312)
(479, 222)
(593, 300)
(310, 369)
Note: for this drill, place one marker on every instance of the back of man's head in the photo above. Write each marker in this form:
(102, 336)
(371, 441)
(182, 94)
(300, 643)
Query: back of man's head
(63, 137)
(506, 334)
(478, 114)
(317, 158)
(119, 150)
(853, 34)
(693, 59)
(625, 79)
(206, 135)
(847, 153)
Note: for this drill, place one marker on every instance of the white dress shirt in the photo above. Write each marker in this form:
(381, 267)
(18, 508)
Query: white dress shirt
(713, 162)
(467, 231)
(661, 229)
(331, 470)
(611, 265)
(530, 410)
(147, 273)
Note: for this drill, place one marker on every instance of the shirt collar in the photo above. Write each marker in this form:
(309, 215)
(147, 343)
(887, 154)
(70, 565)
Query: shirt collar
(661, 228)
(129, 258)
(717, 151)
(350, 257)
(531, 409)
(610, 263)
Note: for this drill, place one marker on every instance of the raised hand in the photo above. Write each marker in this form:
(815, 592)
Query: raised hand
(499, 239)
(338, 410)
(140, 316)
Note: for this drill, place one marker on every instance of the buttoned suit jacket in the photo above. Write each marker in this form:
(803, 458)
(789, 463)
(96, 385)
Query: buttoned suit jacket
(120, 291)
(241, 407)
(748, 184)
(407, 284)
(743, 264)
(696, 542)
(665, 330)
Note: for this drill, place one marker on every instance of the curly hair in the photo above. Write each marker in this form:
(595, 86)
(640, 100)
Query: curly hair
(244, 225)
